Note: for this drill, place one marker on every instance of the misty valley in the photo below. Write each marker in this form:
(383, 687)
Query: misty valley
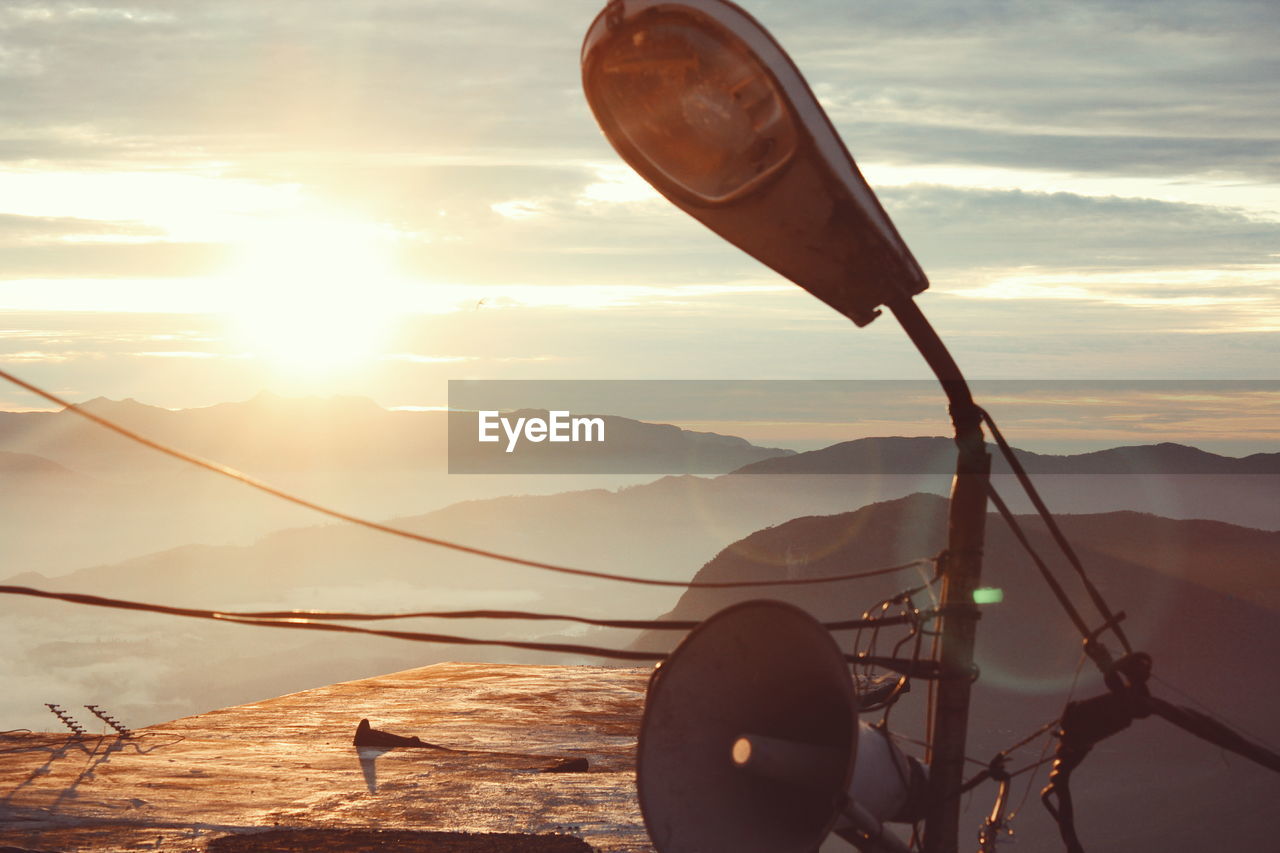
(1183, 538)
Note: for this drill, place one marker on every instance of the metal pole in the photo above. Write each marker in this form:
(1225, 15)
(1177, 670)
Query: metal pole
(961, 573)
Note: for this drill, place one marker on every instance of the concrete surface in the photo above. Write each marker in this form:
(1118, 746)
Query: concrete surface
(289, 764)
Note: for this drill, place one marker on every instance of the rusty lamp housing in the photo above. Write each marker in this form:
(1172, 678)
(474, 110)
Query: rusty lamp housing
(700, 100)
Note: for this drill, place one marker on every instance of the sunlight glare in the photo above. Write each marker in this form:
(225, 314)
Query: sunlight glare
(315, 296)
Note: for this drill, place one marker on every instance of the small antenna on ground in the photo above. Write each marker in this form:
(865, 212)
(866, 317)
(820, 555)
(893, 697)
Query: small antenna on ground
(67, 720)
(120, 727)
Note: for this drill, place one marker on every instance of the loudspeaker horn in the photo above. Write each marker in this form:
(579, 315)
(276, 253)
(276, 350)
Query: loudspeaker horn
(750, 741)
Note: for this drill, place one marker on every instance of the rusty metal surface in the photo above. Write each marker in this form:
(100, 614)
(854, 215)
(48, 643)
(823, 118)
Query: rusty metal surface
(289, 762)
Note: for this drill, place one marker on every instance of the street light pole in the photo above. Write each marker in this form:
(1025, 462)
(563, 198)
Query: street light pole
(961, 573)
(703, 103)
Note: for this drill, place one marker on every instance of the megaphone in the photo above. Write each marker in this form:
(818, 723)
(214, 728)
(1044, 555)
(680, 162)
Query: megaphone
(751, 743)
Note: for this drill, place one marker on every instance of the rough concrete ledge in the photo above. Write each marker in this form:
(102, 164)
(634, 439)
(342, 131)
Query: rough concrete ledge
(216, 781)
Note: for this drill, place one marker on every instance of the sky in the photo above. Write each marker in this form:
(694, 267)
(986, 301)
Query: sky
(203, 200)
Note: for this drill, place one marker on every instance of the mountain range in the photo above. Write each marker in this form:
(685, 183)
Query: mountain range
(272, 433)
(121, 500)
(59, 472)
(934, 455)
(1215, 638)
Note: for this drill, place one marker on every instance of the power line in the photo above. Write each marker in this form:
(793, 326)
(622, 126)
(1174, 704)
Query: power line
(925, 745)
(1214, 731)
(1211, 712)
(1111, 621)
(311, 625)
(333, 615)
(1058, 591)
(994, 767)
(1044, 750)
(1032, 766)
(253, 482)
(919, 669)
(448, 639)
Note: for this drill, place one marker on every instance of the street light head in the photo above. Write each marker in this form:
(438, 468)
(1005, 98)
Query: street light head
(700, 100)
(691, 102)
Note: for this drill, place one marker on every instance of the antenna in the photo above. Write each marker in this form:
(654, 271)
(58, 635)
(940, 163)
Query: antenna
(67, 720)
(121, 728)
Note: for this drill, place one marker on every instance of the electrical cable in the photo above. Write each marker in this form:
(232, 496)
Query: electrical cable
(1110, 619)
(914, 668)
(1087, 723)
(253, 482)
(327, 615)
(1217, 733)
(1039, 763)
(925, 745)
(1026, 740)
(1000, 756)
(1212, 713)
(7, 734)
(1020, 534)
(308, 625)
(447, 639)
(1044, 750)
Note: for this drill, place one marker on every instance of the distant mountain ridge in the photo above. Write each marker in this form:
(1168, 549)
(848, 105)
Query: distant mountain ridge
(1234, 561)
(269, 432)
(28, 465)
(1142, 788)
(936, 455)
(123, 500)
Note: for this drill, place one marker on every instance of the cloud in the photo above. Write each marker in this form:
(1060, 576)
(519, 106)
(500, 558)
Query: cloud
(155, 259)
(1239, 18)
(353, 101)
(25, 229)
(28, 356)
(1082, 85)
(1236, 302)
(517, 208)
(573, 220)
(951, 228)
(66, 335)
(576, 221)
(181, 354)
(143, 138)
(247, 76)
(418, 358)
(618, 185)
(1083, 150)
(1085, 86)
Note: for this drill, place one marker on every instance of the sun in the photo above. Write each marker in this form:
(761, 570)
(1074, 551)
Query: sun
(314, 297)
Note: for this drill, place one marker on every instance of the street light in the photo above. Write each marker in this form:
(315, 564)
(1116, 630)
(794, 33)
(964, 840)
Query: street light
(701, 100)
